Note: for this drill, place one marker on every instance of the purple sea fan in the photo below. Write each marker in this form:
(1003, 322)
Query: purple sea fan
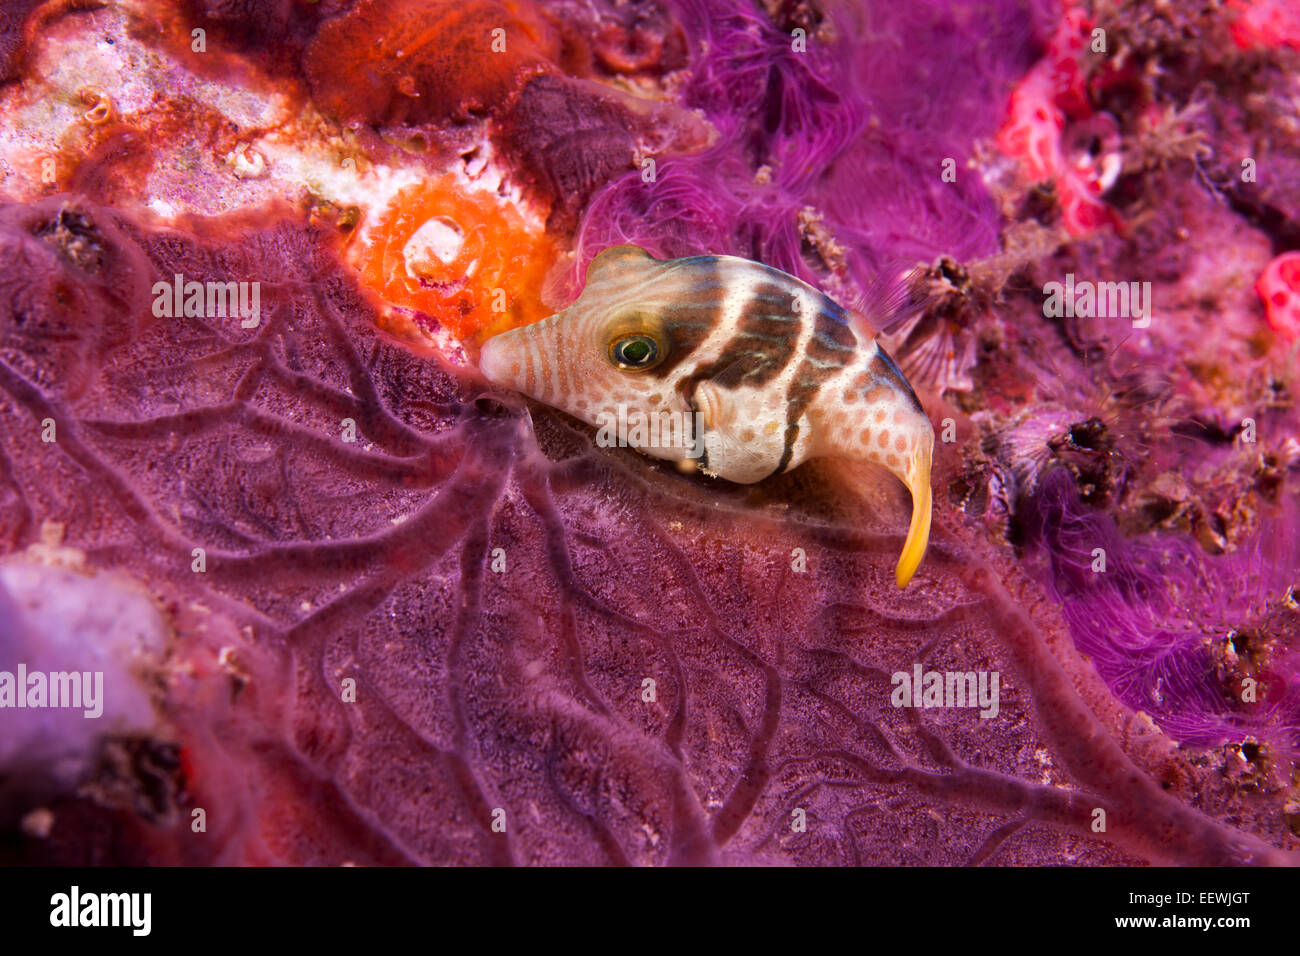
(523, 689)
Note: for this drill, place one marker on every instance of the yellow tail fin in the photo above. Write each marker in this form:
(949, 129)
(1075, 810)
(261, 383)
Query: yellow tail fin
(918, 534)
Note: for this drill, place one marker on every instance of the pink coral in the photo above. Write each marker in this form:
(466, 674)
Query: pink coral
(1279, 287)
(1054, 91)
(1265, 23)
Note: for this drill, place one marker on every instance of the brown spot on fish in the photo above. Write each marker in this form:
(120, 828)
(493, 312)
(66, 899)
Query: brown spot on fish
(832, 341)
(562, 375)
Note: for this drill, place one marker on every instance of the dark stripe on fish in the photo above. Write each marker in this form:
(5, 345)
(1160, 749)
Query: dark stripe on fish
(690, 324)
(886, 372)
(764, 344)
(831, 348)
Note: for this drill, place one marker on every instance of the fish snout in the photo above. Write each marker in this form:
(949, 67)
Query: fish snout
(495, 361)
(538, 360)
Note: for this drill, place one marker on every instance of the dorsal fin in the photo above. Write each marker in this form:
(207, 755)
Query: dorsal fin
(616, 256)
(881, 304)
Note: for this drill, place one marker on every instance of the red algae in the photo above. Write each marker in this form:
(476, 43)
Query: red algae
(1052, 92)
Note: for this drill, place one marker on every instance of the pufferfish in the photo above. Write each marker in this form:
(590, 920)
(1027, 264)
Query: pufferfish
(770, 367)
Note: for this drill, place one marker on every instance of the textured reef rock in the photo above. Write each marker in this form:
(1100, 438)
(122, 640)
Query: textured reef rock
(408, 619)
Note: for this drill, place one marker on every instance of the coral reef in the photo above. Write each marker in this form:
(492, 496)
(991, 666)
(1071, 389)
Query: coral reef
(410, 618)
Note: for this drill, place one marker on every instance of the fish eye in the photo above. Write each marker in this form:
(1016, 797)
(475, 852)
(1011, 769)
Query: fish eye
(637, 351)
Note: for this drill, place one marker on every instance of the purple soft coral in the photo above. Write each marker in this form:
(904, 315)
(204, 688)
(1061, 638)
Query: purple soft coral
(840, 136)
(1175, 632)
